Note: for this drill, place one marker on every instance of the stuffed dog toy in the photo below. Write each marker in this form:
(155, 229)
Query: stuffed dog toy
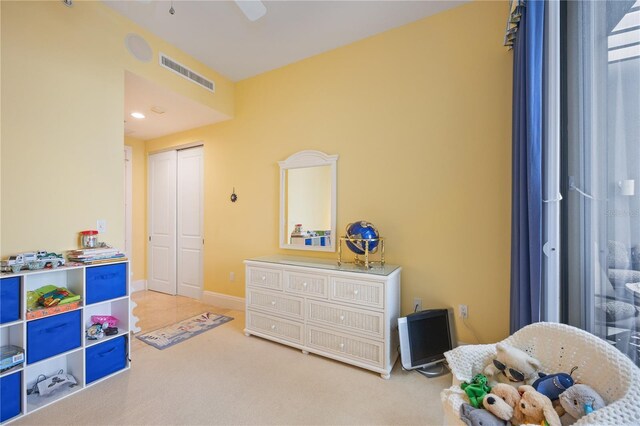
(512, 366)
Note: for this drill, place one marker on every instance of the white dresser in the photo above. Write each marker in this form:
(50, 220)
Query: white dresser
(346, 313)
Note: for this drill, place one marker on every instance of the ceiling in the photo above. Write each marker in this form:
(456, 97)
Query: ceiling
(180, 113)
(218, 34)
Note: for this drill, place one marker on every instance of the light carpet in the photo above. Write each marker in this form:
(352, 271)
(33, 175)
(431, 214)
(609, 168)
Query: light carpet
(227, 378)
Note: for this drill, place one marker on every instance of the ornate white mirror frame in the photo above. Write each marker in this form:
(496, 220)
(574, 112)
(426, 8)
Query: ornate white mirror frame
(299, 160)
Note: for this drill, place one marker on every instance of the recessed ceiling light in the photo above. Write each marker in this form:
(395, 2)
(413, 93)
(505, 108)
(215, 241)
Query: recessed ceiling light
(137, 115)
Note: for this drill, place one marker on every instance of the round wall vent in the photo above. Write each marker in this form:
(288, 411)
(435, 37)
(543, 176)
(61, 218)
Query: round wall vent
(138, 47)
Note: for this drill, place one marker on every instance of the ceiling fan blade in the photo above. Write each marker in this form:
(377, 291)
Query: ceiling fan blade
(252, 9)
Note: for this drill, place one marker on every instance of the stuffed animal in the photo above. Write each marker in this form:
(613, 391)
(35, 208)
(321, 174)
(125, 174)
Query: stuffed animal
(534, 408)
(553, 385)
(501, 401)
(512, 366)
(476, 390)
(479, 417)
(580, 400)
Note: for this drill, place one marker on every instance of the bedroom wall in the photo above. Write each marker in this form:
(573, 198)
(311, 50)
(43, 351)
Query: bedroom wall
(420, 119)
(139, 209)
(62, 119)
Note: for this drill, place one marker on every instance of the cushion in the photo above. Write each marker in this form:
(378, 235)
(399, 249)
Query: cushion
(616, 310)
(618, 256)
(620, 277)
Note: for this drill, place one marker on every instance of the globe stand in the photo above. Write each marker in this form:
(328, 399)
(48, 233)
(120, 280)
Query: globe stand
(366, 262)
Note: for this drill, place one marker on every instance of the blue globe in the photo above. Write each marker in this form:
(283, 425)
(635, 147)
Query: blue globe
(365, 230)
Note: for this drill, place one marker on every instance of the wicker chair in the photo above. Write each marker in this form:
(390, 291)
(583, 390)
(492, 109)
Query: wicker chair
(559, 348)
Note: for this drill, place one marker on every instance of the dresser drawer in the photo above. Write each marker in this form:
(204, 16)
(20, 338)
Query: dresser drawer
(352, 320)
(362, 350)
(276, 302)
(277, 327)
(306, 284)
(367, 293)
(264, 277)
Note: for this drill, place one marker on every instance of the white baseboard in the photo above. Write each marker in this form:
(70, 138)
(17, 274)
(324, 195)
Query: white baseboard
(223, 300)
(138, 285)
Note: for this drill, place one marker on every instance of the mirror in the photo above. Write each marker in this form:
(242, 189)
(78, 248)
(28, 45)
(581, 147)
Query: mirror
(308, 201)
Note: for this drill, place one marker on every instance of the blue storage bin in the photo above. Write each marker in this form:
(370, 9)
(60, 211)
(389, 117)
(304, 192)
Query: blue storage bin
(10, 396)
(106, 282)
(9, 299)
(50, 336)
(106, 358)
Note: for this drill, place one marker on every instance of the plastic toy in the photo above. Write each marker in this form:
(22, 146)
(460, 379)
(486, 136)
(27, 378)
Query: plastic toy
(476, 390)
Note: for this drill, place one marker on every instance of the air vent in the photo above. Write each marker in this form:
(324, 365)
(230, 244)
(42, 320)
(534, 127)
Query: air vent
(185, 72)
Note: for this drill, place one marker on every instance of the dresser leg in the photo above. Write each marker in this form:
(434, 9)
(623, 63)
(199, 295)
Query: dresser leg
(246, 333)
(305, 352)
(385, 376)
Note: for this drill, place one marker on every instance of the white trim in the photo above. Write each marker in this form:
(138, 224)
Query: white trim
(128, 195)
(550, 297)
(223, 300)
(177, 147)
(138, 285)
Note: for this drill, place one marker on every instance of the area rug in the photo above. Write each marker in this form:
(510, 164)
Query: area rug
(179, 332)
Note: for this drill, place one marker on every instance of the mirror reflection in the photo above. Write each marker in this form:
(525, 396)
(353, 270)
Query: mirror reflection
(308, 206)
(308, 201)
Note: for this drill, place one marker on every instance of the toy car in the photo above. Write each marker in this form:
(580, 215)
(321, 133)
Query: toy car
(50, 259)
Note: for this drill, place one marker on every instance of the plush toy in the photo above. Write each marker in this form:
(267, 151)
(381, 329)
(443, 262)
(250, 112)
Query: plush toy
(479, 417)
(580, 400)
(476, 390)
(553, 385)
(501, 401)
(534, 408)
(512, 366)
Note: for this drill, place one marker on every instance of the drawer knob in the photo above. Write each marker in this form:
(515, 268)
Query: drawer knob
(355, 292)
(273, 327)
(264, 278)
(341, 345)
(341, 317)
(273, 302)
(304, 284)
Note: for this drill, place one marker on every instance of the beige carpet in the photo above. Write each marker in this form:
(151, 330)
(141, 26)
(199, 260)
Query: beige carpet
(223, 377)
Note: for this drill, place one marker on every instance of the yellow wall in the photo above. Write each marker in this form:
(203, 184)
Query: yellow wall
(139, 195)
(420, 119)
(62, 119)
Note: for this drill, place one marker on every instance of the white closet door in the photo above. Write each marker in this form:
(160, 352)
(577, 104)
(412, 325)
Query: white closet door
(190, 222)
(162, 222)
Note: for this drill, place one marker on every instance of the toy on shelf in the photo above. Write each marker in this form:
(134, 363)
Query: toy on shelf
(32, 261)
(10, 356)
(45, 385)
(49, 300)
(110, 320)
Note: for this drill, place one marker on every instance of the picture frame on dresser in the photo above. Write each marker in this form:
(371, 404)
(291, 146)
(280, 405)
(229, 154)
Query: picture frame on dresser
(346, 313)
(104, 290)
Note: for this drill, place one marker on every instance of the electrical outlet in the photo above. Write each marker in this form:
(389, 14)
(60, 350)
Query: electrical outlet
(232, 276)
(464, 311)
(417, 304)
(101, 226)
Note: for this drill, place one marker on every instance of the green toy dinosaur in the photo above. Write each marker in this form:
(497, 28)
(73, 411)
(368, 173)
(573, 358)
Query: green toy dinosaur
(476, 390)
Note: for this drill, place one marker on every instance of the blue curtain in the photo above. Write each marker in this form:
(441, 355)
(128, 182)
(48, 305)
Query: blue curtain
(526, 212)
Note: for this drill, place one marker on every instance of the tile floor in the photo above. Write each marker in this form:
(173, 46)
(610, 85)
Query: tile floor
(156, 310)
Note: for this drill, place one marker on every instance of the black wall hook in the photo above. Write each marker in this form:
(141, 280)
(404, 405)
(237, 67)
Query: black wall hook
(234, 197)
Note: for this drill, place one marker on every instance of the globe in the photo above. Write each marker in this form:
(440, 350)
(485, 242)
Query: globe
(364, 230)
